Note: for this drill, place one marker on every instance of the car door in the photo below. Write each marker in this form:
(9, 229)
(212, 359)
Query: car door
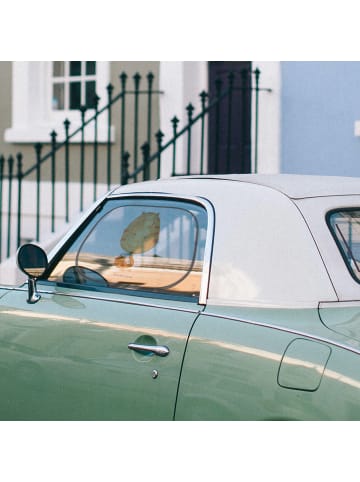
(107, 338)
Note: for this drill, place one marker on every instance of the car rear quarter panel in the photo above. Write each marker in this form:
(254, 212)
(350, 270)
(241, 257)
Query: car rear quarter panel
(250, 370)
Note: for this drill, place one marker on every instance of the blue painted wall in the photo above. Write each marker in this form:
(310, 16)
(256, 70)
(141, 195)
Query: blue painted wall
(319, 106)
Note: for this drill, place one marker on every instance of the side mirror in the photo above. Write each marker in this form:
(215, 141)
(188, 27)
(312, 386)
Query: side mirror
(32, 261)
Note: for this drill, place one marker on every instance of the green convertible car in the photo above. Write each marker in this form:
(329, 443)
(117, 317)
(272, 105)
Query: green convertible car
(230, 297)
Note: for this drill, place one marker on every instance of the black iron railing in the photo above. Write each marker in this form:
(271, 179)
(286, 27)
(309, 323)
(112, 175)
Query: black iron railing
(59, 159)
(144, 161)
(224, 93)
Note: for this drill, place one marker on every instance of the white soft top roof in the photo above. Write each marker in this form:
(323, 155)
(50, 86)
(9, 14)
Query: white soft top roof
(270, 231)
(295, 186)
(298, 186)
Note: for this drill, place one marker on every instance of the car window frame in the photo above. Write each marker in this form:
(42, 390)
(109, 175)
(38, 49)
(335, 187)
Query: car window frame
(336, 239)
(60, 249)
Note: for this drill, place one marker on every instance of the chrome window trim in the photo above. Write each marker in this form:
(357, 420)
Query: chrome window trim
(114, 300)
(205, 203)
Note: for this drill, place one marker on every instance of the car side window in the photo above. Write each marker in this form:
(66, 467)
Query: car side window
(345, 227)
(154, 245)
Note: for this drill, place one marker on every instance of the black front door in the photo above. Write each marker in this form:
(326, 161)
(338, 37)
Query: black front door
(230, 118)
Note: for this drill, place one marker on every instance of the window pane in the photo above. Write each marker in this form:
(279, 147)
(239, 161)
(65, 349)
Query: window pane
(90, 94)
(58, 69)
(345, 227)
(58, 97)
(139, 245)
(75, 68)
(75, 95)
(90, 68)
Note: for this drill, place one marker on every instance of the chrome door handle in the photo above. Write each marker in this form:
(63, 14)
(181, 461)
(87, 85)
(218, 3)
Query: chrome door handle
(155, 349)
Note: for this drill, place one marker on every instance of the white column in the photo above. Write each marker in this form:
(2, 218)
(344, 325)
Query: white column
(181, 83)
(269, 120)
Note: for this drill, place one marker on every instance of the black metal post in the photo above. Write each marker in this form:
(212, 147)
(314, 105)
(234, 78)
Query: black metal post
(175, 122)
(146, 154)
(82, 157)
(110, 89)
(67, 125)
(190, 110)
(125, 168)
(159, 135)
(137, 78)
(96, 101)
(19, 158)
(123, 78)
(53, 179)
(150, 78)
(10, 177)
(38, 148)
(203, 97)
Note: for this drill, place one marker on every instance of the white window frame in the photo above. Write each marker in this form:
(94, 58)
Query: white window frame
(66, 80)
(33, 118)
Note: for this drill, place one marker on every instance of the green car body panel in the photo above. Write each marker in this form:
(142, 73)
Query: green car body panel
(256, 370)
(256, 318)
(67, 358)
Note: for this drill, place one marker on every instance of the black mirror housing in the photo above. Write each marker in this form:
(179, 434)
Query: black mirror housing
(32, 260)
